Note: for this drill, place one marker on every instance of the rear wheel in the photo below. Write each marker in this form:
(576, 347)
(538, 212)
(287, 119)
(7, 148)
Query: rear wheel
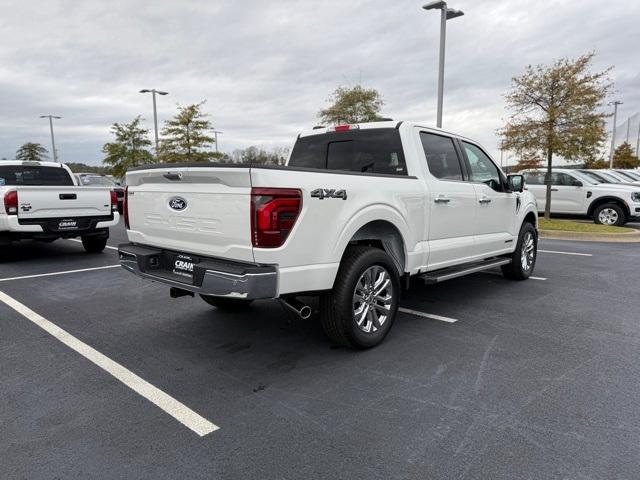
(94, 244)
(523, 260)
(609, 214)
(229, 304)
(361, 308)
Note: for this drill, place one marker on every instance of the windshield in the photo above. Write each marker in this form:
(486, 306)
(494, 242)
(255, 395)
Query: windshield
(597, 177)
(585, 177)
(34, 175)
(96, 180)
(630, 175)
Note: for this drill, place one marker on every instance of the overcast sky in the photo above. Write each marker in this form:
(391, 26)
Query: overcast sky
(267, 67)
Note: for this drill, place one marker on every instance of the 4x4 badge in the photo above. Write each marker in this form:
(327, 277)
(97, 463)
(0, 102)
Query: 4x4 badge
(323, 193)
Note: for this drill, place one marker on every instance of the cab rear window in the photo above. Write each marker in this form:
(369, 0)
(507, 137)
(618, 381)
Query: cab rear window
(377, 150)
(34, 175)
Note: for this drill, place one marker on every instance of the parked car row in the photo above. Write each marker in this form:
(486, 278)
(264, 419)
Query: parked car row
(44, 201)
(609, 197)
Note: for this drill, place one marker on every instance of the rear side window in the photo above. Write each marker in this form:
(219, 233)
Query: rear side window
(376, 150)
(34, 175)
(442, 158)
(534, 178)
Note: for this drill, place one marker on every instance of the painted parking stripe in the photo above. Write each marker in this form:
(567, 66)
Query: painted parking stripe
(80, 241)
(427, 315)
(567, 253)
(170, 405)
(57, 273)
(492, 272)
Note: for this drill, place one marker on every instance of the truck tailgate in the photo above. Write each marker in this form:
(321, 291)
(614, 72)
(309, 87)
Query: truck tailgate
(63, 202)
(201, 210)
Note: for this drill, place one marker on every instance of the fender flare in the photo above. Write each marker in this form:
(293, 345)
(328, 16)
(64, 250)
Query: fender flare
(372, 213)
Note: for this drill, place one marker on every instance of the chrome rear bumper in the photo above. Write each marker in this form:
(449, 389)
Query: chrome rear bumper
(210, 276)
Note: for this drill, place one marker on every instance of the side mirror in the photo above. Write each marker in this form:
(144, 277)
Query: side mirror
(515, 183)
(576, 183)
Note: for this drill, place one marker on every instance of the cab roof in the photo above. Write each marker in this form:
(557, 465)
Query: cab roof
(320, 129)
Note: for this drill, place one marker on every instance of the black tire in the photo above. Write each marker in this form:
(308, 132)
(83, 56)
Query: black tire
(337, 308)
(94, 244)
(228, 304)
(515, 270)
(616, 215)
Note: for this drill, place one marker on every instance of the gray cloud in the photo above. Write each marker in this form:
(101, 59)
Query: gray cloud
(266, 68)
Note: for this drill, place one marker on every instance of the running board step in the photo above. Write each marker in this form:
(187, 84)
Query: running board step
(462, 270)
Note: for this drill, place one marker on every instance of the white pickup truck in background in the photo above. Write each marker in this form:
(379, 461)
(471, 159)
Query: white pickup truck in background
(42, 201)
(357, 211)
(582, 193)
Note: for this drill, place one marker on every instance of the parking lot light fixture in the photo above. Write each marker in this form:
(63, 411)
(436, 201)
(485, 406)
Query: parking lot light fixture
(445, 14)
(155, 92)
(53, 142)
(613, 132)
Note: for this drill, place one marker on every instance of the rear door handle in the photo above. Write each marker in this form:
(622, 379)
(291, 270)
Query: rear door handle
(485, 200)
(554, 189)
(441, 200)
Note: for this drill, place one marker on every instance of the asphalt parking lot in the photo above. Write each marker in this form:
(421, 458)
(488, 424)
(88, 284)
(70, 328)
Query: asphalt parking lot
(499, 380)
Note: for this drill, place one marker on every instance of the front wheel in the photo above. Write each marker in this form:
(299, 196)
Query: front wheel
(609, 214)
(361, 308)
(94, 244)
(523, 259)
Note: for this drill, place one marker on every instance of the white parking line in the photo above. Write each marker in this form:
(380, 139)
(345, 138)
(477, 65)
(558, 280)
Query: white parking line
(170, 405)
(491, 272)
(57, 273)
(567, 253)
(80, 241)
(427, 315)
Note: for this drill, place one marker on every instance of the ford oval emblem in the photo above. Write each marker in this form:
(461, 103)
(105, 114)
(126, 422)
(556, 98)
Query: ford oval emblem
(177, 203)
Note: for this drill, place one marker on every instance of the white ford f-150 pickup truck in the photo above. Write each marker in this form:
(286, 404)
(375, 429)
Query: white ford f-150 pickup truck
(42, 201)
(356, 211)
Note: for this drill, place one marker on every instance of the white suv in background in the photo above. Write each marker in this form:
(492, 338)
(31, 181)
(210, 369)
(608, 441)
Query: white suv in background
(578, 194)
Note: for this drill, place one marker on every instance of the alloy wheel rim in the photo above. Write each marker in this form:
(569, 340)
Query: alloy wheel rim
(608, 216)
(528, 251)
(372, 299)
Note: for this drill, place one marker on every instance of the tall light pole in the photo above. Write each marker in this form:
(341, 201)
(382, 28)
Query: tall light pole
(445, 14)
(153, 92)
(613, 133)
(215, 133)
(53, 142)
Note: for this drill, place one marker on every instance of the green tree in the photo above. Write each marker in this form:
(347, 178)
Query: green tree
(261, 156)
(623, 157)
(352, 105)
(555, 110)
(185, 137)
(129, 149)
(32, 152)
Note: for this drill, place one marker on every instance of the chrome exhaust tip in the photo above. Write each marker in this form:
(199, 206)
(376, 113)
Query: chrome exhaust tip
(297, 307)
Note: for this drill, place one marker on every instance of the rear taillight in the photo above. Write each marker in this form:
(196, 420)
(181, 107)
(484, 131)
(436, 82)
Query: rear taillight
(11, 202)
(114, 201)
(274, 212)
(125, 207)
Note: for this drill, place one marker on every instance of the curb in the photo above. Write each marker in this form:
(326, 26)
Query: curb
(631, 237)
